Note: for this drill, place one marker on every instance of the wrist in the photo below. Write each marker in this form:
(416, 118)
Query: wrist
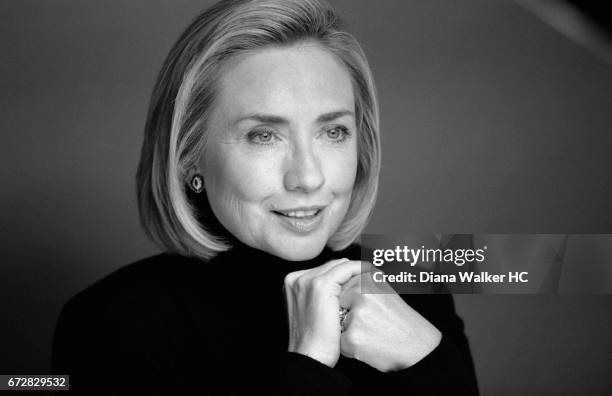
(326, 357)
(428, 345)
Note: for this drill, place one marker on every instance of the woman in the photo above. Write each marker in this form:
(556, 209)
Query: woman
(258, 171)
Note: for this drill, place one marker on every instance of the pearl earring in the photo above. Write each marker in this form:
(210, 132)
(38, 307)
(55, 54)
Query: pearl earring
(197, 183)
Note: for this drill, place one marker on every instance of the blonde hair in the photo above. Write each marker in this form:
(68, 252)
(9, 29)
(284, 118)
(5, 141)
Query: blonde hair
(184, 95)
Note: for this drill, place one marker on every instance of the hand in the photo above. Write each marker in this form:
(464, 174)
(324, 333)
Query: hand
(381, 329)
(313, 306)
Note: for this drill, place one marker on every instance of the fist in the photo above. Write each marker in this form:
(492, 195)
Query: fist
(312, 308)
(381, 329)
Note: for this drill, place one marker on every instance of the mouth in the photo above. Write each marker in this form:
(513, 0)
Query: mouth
(301, 220)
(300, 214)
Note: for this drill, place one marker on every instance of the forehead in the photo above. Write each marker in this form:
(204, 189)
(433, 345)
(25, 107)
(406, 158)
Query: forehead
(302, 78)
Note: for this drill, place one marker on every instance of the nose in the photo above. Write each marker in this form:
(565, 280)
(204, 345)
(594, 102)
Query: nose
(303, 172)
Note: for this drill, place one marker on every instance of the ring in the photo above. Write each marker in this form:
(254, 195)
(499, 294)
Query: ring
(343, 313)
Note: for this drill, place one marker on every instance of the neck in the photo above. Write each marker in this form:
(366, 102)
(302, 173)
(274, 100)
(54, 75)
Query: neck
(244, 257)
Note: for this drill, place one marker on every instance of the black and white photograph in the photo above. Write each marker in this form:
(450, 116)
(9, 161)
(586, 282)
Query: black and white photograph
(306, 197)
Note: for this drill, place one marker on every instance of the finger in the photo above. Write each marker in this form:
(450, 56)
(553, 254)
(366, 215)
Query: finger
(348, 298)
(369, 267)
(313, 272)
(353, 280)
(358, 285)
(343, 272)
(353, 283)
(352, 289)
(292, 276)
(327, 266)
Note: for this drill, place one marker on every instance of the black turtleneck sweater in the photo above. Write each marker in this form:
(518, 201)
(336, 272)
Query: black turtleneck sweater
(170, 324)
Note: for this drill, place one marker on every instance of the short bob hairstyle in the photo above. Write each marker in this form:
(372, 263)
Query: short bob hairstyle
(184, 95)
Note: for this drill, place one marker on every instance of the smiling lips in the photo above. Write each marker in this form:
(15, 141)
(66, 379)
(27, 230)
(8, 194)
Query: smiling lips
(299, 214)
(302, 212)
(301, 220)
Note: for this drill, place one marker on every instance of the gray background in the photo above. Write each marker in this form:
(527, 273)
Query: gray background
(492, 122)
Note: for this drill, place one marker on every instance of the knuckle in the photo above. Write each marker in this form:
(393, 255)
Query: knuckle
(288, 280)
(297, 282)
(292, 277)
(300, 283)
(318, 283)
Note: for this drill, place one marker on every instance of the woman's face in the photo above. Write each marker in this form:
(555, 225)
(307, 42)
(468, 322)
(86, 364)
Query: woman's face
(281, 155)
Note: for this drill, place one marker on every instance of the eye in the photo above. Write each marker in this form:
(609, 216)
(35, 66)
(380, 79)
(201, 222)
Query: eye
(261, 136)
(337, 134)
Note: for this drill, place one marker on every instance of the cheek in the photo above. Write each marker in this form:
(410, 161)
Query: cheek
(341, 171)
(239, 180)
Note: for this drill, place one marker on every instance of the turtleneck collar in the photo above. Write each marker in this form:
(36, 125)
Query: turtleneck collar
(251, 261)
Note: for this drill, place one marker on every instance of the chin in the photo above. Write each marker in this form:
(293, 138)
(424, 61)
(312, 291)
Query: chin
(298, 252)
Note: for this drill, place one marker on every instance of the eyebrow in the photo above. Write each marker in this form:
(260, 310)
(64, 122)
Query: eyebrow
(273, 119)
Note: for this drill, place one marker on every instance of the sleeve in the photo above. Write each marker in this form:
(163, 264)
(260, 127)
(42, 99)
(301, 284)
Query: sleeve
(81, 349)
(73, 351)
(90, 350)
(449, 368)
(307, 376)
